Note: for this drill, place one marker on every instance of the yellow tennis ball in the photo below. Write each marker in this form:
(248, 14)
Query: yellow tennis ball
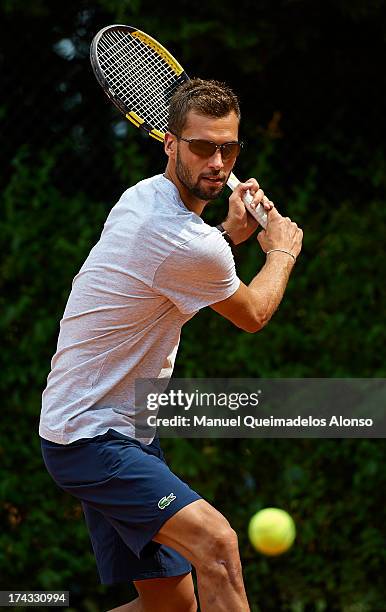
(272, 531)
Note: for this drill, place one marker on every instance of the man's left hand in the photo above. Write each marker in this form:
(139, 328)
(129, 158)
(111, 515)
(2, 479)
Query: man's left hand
(239, 224)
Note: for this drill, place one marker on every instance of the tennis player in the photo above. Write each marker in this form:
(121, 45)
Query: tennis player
(157, 263)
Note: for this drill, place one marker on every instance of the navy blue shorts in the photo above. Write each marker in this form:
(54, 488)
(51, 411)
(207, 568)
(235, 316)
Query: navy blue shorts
(127, 493)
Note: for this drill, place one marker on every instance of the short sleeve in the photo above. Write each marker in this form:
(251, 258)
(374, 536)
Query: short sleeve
(198, 273)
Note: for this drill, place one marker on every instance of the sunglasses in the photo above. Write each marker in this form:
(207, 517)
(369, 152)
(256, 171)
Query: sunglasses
(207, 148)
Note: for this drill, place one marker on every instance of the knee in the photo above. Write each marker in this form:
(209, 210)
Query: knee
(221, 546)
(220, 560)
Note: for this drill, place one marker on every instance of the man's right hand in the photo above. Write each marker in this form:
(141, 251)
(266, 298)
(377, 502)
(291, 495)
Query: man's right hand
(280, 233)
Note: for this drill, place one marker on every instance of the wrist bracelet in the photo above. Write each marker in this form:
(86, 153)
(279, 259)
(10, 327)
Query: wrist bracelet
(225, 234)
(282, 251)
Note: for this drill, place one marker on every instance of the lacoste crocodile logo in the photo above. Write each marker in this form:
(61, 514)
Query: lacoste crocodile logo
(165, 501)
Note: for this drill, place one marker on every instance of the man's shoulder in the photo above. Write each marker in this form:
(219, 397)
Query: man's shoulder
(150, 187)
(153, 217)
(163, 216)
(139, 206)
(145, 187)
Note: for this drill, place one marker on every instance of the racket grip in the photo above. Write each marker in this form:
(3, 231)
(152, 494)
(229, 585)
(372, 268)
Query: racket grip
(258, 213)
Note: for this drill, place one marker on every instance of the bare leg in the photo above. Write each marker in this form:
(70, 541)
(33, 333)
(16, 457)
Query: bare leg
(173, 594)
(133, 606)
(201, 534)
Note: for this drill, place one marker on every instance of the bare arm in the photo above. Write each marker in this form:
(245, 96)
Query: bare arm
(252, 306)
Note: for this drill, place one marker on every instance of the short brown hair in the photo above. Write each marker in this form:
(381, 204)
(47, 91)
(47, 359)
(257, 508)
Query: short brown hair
(209, 98)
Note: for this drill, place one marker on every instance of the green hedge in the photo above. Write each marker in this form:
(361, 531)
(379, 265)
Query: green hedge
(315, 145)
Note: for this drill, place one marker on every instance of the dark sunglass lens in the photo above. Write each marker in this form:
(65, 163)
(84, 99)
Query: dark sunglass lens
(230, 150)
(203, 148)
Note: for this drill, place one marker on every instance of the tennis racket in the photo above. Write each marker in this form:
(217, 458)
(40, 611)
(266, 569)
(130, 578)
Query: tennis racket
(140, 76)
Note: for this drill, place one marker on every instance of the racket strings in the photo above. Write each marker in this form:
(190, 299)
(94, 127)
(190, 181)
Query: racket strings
(136, 70)
(146, 54)
(140, 78)
(133, 88)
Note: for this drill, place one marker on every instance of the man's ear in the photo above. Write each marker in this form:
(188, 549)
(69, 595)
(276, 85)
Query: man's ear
(170, 144)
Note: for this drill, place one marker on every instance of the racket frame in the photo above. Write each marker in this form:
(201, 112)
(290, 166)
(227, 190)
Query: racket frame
(181, 76)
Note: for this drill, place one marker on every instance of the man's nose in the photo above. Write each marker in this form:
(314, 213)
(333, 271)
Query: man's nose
(216, 161)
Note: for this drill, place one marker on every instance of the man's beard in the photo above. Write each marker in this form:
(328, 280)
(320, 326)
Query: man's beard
(202, 193)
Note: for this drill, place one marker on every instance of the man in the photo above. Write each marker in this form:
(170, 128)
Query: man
(156, 264)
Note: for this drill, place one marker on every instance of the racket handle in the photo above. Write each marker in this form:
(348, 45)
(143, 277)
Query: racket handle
(258, 213)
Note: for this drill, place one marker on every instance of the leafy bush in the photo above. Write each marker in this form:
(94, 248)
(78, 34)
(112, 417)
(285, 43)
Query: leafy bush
(317, 148)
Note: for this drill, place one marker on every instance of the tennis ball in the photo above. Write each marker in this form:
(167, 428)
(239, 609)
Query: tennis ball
(271, 531)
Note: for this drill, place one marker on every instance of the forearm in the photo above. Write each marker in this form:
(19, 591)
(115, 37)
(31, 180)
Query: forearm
(268, 286)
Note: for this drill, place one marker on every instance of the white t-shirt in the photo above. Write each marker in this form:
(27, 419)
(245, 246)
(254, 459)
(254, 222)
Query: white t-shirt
(155, 265)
